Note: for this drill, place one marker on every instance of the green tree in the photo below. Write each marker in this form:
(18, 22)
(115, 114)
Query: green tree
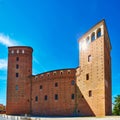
(116, 108)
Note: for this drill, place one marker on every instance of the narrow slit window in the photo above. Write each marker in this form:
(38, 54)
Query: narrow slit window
(17, 58)
(56, 96)
(90, 93)
(73, 82)
(17, 66)
(87, 76)
(72, 96)
(41, 87)
(36, 98)
(17, 74)
(16, 87)
(46, 97)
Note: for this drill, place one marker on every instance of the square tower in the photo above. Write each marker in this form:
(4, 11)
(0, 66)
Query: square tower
(94, 74)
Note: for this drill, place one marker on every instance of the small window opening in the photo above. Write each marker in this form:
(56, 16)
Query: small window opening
(48, 75)
(98, 33)
(72, 96)
(56, 96)
(61, 73)
(56, 84)
(41, 87)
(46, 97)
(82, 96)
(54, 73)
(93, 36)
(89, 58)
(68, 72)
(17, 58)
(90, 93)
(87, 40)
(87, 76)
(36, 98)
(17, 74)
(73, 82)
(16, 87)
(17, 66)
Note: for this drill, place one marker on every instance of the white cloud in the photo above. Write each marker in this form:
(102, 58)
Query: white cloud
(6, 40)
(3, 64)
(35, 60)
(36, 64)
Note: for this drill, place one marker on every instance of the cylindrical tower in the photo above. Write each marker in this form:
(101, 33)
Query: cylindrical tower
(18, 79)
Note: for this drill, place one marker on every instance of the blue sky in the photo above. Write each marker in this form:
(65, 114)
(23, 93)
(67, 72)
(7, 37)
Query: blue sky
(52, 29)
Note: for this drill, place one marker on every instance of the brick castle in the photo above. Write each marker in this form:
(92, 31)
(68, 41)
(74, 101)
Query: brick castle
(81, 91)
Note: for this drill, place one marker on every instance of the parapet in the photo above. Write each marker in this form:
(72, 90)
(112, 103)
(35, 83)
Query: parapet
(19, 50)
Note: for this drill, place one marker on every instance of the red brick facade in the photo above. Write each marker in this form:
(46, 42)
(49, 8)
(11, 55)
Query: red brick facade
(84, 91)
(55, 91)
(19, 72)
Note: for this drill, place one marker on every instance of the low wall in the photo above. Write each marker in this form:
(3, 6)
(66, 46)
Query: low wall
(8, 117)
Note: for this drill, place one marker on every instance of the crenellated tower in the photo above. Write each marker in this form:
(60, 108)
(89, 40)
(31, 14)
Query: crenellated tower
(18, 79)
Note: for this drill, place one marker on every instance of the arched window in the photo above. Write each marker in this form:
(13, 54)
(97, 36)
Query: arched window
(87, 40)
(98, 33)
(93, 36)
(89, 58)
(23, 51)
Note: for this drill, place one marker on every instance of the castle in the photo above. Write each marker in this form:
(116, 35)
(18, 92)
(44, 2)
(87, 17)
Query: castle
(81, 91)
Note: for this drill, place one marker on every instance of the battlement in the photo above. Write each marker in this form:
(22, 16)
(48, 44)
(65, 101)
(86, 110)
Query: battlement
(15, 50)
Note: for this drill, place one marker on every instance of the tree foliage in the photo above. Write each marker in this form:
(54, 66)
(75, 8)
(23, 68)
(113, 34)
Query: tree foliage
(116, 108)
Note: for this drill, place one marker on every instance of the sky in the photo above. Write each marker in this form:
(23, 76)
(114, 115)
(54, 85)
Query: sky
(52, 28)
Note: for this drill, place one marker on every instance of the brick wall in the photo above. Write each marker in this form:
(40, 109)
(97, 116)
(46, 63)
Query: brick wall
(61, 83)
